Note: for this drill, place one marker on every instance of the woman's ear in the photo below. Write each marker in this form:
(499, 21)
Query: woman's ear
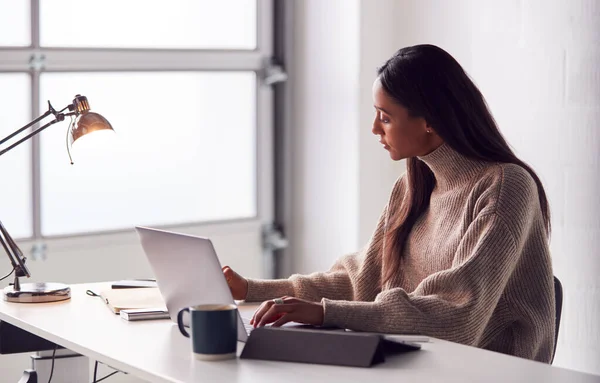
(432, 137)
(427, 127)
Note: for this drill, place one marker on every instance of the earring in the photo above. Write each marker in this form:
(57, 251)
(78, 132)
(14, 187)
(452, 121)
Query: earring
(428, 131)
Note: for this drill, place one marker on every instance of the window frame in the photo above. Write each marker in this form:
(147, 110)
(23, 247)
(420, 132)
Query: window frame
(36, 60)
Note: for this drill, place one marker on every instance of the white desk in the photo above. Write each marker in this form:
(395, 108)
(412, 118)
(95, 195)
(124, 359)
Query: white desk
(157, 352)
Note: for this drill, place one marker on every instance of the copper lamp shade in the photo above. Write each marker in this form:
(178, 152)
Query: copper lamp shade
(89, 122)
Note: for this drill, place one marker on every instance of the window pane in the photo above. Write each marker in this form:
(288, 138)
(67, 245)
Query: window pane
(184, 151)
(15, 165)
(15, 23)
(202, 24)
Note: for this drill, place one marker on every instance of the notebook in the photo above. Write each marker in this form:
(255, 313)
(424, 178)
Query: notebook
(136, 298)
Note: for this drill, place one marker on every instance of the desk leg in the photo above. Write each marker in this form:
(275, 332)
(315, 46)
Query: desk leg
(68, 366)
(29, 376)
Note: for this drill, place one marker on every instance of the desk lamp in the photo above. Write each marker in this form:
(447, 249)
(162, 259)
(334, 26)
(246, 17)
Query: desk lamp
(82, 122)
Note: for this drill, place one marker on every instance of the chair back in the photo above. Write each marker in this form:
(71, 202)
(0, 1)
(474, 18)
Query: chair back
(558, 297)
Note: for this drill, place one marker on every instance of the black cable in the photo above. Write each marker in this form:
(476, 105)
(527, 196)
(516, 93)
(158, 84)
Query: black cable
(107, 376)
(53, 359)
(71, 124)
(7, 275)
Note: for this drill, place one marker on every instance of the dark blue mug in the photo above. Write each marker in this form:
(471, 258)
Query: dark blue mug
(214, 330)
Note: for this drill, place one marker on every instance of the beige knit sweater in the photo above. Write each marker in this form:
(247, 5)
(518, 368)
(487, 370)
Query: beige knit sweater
(476, 268)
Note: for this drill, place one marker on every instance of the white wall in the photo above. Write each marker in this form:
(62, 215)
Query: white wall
(325, 155)
(537, 64)
(342, 176)
(377, 173)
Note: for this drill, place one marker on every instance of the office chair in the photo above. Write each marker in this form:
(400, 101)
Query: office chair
(558, 296)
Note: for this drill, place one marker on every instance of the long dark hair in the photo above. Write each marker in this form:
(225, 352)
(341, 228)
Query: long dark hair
(431, 84)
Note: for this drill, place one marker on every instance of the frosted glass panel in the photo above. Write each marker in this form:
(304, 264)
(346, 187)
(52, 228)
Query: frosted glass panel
(203, 24)
(184, 151)
(15, 165)
(15, 23)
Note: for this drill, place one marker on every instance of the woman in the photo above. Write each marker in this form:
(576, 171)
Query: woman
(461, 249)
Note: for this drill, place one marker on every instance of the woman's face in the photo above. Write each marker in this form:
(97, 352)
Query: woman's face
(402, 135)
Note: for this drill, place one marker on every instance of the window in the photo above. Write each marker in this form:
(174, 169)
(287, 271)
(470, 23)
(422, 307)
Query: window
(173, 24)
(15, 166)
(15, 23)
(184, 151)
(179, 81)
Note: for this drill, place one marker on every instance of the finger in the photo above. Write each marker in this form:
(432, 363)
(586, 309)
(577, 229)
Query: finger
(271, 315)
(270, 318)
(261, 311)
(255, 313)
(263, 308)
(265, 318)
(274, 313)
(253, 319)
(289, 317)
(286, 299)
(228, 273)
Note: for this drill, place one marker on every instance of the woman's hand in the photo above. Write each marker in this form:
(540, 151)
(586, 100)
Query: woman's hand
(291, 310)
(237, 284)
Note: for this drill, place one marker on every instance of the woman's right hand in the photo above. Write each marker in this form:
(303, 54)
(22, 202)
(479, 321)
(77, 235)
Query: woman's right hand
(237, 284)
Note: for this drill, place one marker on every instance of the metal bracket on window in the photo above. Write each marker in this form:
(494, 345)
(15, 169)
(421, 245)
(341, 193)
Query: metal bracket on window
(37, 62)
(273, 73)
(38, 251)
(273, 238)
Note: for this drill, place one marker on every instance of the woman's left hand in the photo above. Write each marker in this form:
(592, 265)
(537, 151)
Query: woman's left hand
(291, 310)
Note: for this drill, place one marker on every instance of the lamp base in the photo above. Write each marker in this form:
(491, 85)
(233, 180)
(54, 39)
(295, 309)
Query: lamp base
(38, 293)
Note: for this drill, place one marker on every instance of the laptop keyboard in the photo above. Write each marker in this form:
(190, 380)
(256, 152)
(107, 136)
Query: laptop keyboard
(247, 325)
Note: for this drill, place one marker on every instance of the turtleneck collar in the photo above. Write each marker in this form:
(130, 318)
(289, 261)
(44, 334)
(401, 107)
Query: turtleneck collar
(450, 168)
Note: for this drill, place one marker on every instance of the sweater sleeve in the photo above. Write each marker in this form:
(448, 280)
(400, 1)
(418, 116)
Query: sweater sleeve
(333, 284)
(454, 304)
(353, 277)
(346, 276)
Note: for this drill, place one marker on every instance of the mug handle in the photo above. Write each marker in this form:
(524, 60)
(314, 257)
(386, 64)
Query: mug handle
(180, 322)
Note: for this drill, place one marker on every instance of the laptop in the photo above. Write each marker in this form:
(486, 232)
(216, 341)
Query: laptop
(187, 272)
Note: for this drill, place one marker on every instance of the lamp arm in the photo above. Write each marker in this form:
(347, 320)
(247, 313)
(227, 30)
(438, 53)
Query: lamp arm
(8, 251)
(49, 112)
(14, 253)
(79, 106)
(10, 247)
(59, 117)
